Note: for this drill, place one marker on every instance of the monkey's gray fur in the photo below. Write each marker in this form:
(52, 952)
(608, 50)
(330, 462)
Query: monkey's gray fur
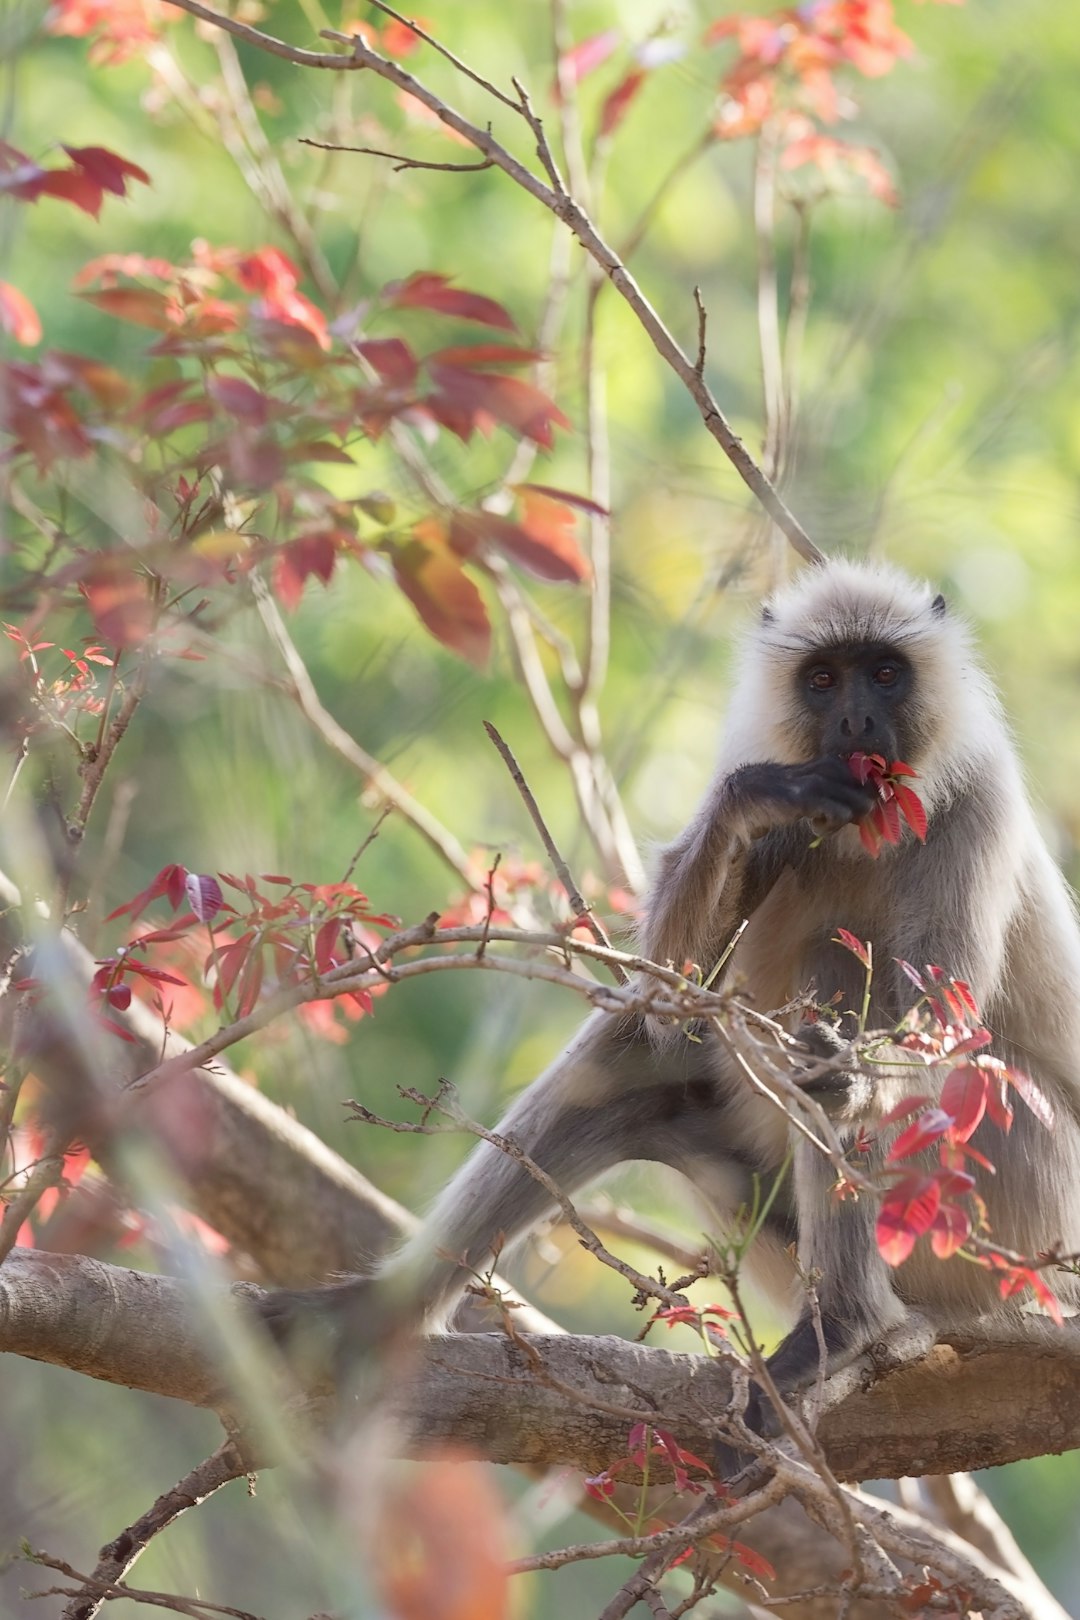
(851, 656)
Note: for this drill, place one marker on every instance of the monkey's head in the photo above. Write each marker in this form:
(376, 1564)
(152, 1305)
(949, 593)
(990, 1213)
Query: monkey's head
(860, 657)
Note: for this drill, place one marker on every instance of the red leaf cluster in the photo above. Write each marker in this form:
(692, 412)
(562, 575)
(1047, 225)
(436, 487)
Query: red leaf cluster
(932, 1199)
(797, 50)
(832, 157)
(119, 28)
(92, 172)
(645, 1441)
(297, 935)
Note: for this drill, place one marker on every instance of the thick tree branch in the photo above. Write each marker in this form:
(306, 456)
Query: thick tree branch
(973, 1402)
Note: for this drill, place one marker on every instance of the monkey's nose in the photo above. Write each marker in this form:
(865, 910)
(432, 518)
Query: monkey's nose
(849, 728)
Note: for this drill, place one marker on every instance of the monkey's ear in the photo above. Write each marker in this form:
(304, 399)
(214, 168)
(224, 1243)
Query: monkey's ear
(768, 616)
(939, 607)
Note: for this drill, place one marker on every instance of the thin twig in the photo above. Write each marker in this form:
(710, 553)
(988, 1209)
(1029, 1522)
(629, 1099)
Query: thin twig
(436, 45)
(445, 1103)
(577, 903)
(702, 323)
(301, 689)
(48, 1172)
(115, 1559)
(397, 159)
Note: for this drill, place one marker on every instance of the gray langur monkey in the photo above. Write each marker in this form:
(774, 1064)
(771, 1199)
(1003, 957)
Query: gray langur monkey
(850, 657)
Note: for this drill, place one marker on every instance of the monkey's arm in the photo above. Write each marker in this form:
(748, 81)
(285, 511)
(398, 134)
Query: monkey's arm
(720, 869)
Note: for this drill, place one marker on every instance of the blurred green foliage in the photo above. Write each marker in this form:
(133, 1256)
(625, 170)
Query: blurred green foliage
(941, 430)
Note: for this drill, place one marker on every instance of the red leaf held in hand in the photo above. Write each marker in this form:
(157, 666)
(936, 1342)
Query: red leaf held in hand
(895, 801)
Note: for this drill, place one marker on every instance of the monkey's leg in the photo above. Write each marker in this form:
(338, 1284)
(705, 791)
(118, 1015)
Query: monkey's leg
(857, 1304)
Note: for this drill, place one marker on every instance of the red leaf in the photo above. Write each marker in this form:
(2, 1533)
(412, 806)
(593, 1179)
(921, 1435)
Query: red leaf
(1035, 1098)
(298, 560)
(584, 58)
(950, 1231)
(476, 355)
(964, 1097)
(398, 39)
(617, 104)
(119, 601)
(888, 820)
(912, 809)
(443, 595)
(909, 1105)
(869, 837)
(854, 944)
(69, 185)
(292, 308)
(116, 1029)
(241, 400)
(392, 359)
(143, 306)
(169, 881)
(327, 941)
(931, 1125)
(155, 975)
(566, 497)
(18, 315)
(552, 555)
(426, 290)
(906, 1213)
(912, 973)
(250, 983)
(105, 168)
(753, 1561)
(465, 397)
(203, 895)
(266, 270)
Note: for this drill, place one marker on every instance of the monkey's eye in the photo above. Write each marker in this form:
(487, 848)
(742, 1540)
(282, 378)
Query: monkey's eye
(821, 680)
(887, 674)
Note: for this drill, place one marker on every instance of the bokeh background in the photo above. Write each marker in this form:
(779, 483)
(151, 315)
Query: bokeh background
(941, 431)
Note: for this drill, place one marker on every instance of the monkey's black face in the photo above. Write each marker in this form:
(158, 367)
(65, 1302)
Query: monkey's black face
(856, 698)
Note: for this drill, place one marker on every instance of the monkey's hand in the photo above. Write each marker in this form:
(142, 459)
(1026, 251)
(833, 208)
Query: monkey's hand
(823, 792)
(842, 1089)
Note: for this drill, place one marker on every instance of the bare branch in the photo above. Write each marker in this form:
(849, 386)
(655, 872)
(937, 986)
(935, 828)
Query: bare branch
(224, 1465)
(301, 689)
(562, 871)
